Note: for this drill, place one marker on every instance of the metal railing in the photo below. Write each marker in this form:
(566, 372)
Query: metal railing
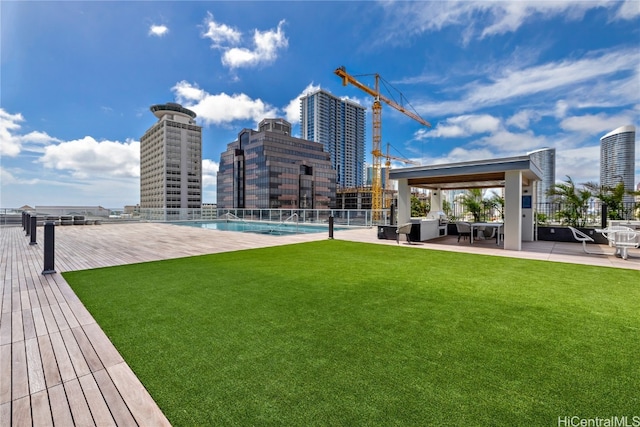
(595, 213)
(345, 217)
(591, 214)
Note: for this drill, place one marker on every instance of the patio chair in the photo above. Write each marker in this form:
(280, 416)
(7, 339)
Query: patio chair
(403, 229)
(464, 230)
(625, 240)
(581, 237)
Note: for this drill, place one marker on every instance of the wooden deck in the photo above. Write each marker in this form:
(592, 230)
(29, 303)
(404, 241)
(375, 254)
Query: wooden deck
(57, 367)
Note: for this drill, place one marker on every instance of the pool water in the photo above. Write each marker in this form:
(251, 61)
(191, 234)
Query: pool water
(258, 227)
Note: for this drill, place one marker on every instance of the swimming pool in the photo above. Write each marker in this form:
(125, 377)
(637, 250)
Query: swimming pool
(258, 227)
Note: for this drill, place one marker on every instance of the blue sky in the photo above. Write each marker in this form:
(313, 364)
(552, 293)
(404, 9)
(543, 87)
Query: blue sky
(494, 78)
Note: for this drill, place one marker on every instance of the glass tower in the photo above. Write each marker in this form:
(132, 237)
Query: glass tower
(339, 125)
(545, 158)
(617, 158)
(270, 169)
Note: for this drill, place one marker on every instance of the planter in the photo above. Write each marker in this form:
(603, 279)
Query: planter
(561, 233)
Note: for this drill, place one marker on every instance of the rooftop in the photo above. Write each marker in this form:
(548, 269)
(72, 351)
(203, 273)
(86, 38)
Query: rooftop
(63, 368)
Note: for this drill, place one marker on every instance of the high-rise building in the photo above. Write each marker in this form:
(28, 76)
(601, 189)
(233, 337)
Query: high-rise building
(270, 169)
(171, 162)
(545, 158)
(339, 125)
(617, 158)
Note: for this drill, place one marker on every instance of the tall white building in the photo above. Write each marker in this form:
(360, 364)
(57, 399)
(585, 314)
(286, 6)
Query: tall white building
(618, 158)
(171, 162)
(545, 158)
(340, 126)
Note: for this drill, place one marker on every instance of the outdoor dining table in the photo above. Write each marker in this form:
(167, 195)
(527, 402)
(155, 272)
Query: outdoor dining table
(622, 243)
(497, 225)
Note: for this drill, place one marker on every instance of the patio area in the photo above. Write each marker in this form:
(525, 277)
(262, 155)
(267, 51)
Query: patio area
(56, 364)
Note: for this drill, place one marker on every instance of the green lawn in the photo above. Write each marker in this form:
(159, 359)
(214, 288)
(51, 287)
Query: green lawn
(342, 334)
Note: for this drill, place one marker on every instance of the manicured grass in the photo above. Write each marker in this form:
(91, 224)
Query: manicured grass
(342, 333)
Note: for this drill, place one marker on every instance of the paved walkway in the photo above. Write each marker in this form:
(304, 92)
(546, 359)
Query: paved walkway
(56, 364)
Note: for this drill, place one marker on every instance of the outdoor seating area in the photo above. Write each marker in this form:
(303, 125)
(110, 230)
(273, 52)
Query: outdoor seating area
(622, 238)
(480, 231)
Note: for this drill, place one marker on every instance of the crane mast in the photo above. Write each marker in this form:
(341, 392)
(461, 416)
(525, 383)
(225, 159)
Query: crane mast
(390, 157)
(376, 151)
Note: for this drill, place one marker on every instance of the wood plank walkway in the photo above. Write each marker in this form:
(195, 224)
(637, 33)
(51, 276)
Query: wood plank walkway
(57, 367)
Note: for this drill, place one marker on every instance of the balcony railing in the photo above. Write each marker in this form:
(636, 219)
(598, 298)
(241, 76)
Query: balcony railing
(593, 214)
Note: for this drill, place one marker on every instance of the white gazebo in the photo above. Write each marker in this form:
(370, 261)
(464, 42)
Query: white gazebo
(518, 176)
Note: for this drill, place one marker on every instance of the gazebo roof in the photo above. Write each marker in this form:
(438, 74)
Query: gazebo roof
(473, 174)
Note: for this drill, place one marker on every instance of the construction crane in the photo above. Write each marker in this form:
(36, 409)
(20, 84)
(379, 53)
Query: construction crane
(376, 181)
(390, 157)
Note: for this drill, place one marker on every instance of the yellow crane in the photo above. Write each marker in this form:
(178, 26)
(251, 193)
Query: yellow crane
(390, 157)
(376, 181)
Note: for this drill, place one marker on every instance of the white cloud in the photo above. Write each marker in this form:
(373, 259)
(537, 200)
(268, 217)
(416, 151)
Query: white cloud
(158, 30)
(209, 180)
(523, 118)
(581, 164)
(600, 123)
(551, 76)
(10, 145)
(567, 78)
(266, 46)
(292, 109)
(6, 177)
(102, 172)
(209, 173)
(221, 108)
(38, 137)
(263, 48)
(462, 126)
(561, 108)
(507, 143)
(485, 18)
(460, 154)
(629, 9)
(87, 157)
(220, 35)
(508, 16)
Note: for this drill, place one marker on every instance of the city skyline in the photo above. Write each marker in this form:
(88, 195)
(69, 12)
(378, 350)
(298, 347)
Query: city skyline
(494, 79)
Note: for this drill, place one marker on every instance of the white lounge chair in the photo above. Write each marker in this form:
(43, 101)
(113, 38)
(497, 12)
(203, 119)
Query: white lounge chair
(581, 237)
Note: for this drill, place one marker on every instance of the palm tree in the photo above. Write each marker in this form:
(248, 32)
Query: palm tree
(613, 197)
(473, 203)
(574, 202)
(495, 202)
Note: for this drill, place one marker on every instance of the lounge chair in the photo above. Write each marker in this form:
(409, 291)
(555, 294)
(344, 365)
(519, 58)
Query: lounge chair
(581, 237)
(464, 230)
(403, 229)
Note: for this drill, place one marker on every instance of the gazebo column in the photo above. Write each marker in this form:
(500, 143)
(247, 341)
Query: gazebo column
(436, 200)
(513, 210)
(404, 201)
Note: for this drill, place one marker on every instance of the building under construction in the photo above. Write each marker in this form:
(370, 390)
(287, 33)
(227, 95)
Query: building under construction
(361, 198)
